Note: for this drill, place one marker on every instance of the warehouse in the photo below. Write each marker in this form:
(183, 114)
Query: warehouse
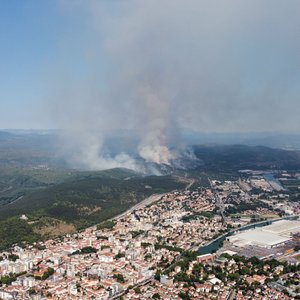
(257, 237)
(283, 227)
(271, 236)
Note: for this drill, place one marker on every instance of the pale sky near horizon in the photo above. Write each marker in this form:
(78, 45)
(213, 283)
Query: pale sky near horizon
(238, 64)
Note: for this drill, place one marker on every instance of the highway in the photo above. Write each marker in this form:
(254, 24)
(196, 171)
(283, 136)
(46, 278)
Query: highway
(143, 203)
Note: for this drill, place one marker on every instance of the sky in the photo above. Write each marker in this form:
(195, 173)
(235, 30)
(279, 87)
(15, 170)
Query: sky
(154, 66)
(28, 39)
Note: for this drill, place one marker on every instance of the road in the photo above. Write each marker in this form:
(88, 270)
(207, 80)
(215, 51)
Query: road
(219, 202)
(147, 201)
(190, 184)
(143, 203)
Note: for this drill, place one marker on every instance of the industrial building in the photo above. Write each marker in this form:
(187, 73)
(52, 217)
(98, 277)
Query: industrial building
(283, 227)
(271, 236)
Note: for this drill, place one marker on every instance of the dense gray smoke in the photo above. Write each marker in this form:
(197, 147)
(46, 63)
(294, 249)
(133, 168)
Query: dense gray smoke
(154, 144)
(159, 65)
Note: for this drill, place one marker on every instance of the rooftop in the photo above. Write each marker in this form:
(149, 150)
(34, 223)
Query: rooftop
(258, 237)
(283, 227)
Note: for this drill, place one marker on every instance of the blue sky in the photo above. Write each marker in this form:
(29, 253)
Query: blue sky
(32, 38)
(216, 66)
(29, 37)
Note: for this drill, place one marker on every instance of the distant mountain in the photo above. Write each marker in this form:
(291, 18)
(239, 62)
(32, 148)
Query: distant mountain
(4, 136)
(32, 131)
(29, 150)
(235, 157)
(282, 141)
(268, 139)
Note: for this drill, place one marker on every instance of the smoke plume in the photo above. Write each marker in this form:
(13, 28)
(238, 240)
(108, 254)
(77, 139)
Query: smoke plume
(156, 66)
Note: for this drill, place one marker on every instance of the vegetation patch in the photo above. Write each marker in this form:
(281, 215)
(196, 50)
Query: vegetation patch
(49, 227)
(15, 231)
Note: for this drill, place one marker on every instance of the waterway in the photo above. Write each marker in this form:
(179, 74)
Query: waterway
(217, 243)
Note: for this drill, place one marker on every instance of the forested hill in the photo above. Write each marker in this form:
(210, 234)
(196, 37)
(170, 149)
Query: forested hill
(90, 199)
(77, 203)
(236, 157)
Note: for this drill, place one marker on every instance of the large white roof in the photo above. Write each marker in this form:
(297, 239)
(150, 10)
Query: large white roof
(283, 227)
(258, 237)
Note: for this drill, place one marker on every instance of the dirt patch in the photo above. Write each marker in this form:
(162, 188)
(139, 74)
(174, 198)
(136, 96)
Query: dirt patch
(53, 227)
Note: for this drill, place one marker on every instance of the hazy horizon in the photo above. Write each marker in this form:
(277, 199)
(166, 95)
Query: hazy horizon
(89, 68)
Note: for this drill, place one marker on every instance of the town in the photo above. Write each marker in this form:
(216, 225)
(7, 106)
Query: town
(237, 239)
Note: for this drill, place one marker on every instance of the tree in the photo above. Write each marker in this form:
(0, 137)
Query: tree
(184, 296)
(137, 290)
(88, 249)
(8, 279)
(119, 277)
(32, 291)
(13, 257)
(157, 275)
(120, 255)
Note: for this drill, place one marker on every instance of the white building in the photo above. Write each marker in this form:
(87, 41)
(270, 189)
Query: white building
(270, 236)
(257, 237)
